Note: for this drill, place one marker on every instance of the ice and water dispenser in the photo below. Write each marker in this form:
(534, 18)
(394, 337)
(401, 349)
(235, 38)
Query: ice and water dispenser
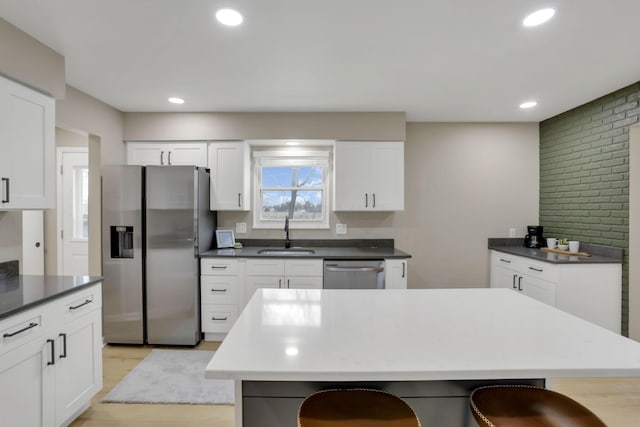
(121, 241)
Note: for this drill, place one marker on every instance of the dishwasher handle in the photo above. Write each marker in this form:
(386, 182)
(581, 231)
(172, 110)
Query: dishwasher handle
(334, 267)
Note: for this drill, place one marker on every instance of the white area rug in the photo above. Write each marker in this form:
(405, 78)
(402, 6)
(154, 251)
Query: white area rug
(172, 376)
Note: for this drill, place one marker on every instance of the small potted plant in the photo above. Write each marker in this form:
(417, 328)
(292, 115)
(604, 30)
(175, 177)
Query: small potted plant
(563, 244)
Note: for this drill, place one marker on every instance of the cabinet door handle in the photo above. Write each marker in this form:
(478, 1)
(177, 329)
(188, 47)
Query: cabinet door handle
(288, 283)
(6, 197)
(366, 200)
(403, 269)
(514, 281)
(169, 158)
(374, 200)
(239, 205)
(508, 261)
(53, 352)
(26, 328)
(162, 157)
(75, 307)
(218, 290)
(539, 270)
(520, 283)
(64, 346)
(223, 267)
(219, 318)
(279, 283)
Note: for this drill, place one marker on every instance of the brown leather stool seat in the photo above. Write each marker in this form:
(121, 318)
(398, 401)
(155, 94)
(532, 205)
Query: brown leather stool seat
(355, 408)
(527, 406)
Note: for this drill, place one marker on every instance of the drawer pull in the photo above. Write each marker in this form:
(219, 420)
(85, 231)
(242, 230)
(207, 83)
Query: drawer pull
(75, 307)
(539, 270)
(223, 267)
(218, 290)
(26, 328)
(64, 346)
(505, 260)
(219, 318)
(53, 352)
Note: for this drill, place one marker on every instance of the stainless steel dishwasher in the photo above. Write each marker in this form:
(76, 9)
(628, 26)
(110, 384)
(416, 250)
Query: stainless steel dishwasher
(353, 274)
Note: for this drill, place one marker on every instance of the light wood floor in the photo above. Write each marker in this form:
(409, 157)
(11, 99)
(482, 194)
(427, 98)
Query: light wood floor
(117, 362)
(615, 400)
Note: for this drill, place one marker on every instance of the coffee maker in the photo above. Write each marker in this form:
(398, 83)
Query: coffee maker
(533, 239)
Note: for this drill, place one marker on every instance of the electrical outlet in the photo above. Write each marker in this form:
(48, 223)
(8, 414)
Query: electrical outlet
(341, 228)
(241, 227)
(512, 232)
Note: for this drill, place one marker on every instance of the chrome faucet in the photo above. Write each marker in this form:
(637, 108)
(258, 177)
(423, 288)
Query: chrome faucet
(287, 242)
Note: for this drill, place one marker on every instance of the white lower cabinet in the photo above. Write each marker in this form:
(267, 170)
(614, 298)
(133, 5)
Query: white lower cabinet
(227, 284)
(51, 360)
(219, 293)
(590, 291)
(395, 273)
(282, 273)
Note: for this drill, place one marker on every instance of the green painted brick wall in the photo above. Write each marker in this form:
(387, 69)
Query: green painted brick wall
(584, 175)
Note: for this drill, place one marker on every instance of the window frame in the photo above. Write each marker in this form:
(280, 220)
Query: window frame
(291, 158)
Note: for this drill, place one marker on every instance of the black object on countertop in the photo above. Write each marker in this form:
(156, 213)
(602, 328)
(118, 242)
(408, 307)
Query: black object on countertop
(9, 269)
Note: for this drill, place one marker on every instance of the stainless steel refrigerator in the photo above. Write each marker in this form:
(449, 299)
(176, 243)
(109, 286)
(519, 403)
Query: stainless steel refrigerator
(155, 222)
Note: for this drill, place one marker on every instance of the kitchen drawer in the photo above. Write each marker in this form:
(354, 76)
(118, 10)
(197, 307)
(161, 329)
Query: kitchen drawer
(505, 260)
(218, 317)
(219, 266)
(540, 270)
(23, 328)
(303, 267)
(79, 303)
(219, 289)
(265, 267)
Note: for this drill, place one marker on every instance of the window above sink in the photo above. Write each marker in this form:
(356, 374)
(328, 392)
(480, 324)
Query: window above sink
(294, 183)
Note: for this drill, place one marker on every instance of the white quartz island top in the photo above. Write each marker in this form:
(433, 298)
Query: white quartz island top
(414, 335)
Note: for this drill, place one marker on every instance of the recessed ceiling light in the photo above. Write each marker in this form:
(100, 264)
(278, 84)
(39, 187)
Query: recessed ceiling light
(528, 104)
(292, 143)
(229, 17)
(175, 100)
(538, 17)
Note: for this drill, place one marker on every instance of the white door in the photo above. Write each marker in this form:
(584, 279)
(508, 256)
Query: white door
(32, 242)
(73, 211)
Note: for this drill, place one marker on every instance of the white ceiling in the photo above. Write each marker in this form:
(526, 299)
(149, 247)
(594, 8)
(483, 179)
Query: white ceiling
(437, 60)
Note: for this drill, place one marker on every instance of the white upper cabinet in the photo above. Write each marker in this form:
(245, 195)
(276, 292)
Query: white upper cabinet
(230, 176)
(368, 176)
(27, 148)
(167, 153)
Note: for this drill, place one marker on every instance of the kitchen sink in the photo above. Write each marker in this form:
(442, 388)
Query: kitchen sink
(286, 251)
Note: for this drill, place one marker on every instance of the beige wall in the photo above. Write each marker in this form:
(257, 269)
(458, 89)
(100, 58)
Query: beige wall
(226, 126)
(634, 232)
(87, 114)
(28, 61)
(464, 184)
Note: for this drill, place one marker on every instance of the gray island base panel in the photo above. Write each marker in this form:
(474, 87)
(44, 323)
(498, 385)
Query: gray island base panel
(430, 346)
(436, 403)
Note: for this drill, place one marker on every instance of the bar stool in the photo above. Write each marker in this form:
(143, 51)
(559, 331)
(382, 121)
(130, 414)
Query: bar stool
(528, 406)
(355, 408)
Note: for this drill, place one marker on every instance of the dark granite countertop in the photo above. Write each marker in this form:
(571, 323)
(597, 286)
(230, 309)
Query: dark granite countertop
(20, 293)
(600, 254)
(325, 249)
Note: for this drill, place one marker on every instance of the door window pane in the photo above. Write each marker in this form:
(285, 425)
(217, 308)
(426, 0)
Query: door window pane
(80, 203)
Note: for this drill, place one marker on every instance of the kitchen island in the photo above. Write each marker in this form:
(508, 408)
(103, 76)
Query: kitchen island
(431, 347)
